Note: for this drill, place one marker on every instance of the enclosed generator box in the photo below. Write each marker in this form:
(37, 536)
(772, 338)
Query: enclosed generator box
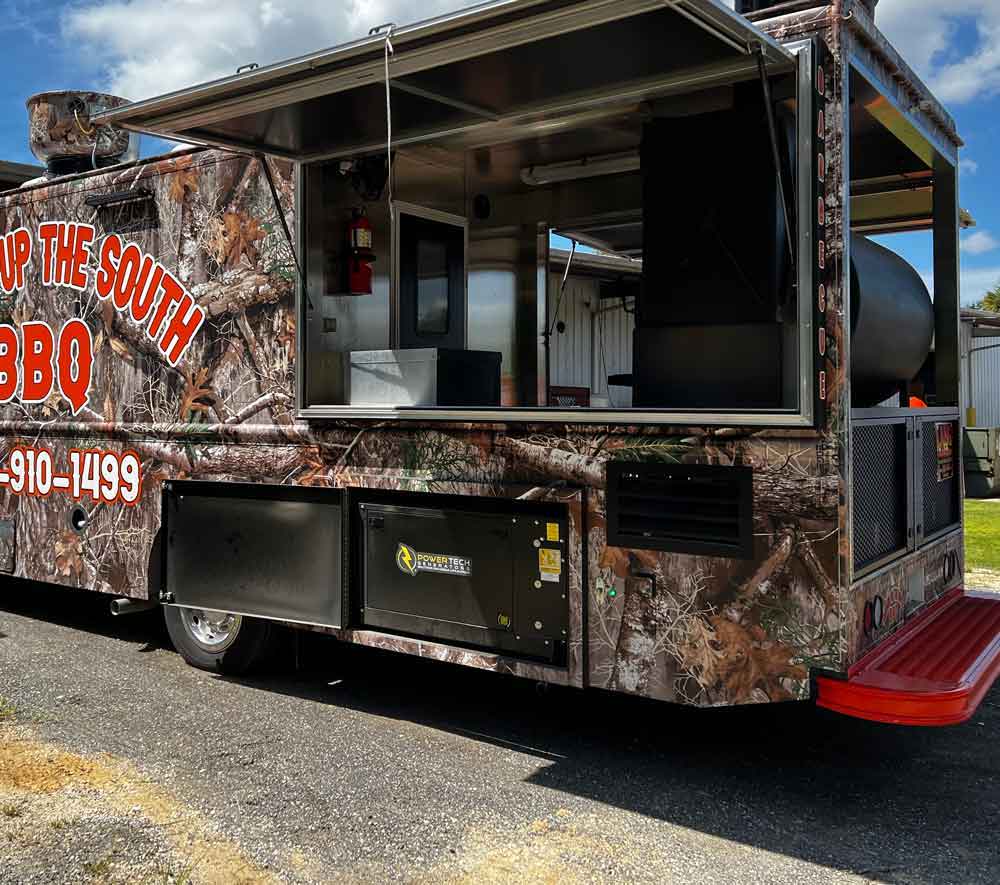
(496, 581)
(981, 456)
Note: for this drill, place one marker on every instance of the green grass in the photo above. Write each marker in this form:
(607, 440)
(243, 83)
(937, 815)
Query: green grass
(7, 711)
(982, 535)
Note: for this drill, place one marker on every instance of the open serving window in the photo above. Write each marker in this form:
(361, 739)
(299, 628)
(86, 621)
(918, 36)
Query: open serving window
(671, 143)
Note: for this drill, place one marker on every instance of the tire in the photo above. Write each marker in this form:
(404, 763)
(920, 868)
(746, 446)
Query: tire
(229, 644)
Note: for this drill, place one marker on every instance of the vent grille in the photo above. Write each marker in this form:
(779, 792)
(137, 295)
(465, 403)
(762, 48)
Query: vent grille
(880, 499)
(126, 212)
(940, 491)
(696, 509)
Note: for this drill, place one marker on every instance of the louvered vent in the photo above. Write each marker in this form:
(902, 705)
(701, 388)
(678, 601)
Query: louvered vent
(697, 509)
(126, 212)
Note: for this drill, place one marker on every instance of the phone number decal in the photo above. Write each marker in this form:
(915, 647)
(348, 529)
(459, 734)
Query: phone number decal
(108, 477)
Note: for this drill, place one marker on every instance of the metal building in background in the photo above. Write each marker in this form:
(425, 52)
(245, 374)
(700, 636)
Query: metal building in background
(13, 175)
(981, 400)
(981, 367)
(594, 322)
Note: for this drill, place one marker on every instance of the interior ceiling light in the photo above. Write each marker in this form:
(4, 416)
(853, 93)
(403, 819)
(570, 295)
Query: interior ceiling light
(588, 167)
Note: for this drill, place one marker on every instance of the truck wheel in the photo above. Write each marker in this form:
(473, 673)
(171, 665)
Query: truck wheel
(224, 643)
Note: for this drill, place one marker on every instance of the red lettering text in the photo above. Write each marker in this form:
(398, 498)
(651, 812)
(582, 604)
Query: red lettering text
(183, 325)
(36, 362)
(15, 253)
(173, 294)
(47, 236)
(8, 363)
(65, 253)
(142, 302)
(128, 274)
(76, 362)
(111, 252)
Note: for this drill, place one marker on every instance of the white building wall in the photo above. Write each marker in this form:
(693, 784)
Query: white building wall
(984, 378)
(571, 354)
(596, 343)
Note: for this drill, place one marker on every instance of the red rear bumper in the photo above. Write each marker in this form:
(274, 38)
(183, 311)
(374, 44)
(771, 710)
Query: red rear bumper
(934, 671)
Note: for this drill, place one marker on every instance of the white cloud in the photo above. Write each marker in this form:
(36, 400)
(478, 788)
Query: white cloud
(970, 167)
(152, 47)
(924, 32)
(974, 282)
(979, 243)
(977, 282)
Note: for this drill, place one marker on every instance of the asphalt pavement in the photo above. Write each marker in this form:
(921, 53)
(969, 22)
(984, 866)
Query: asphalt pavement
(118, 763)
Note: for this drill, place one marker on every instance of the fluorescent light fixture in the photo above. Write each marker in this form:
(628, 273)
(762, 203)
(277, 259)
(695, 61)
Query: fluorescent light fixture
(588, 167)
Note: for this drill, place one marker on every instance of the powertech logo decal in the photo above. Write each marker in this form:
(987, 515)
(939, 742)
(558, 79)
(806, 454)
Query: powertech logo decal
(411, 562)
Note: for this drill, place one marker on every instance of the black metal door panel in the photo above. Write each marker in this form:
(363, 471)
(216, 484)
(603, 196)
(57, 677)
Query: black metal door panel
(268, 551)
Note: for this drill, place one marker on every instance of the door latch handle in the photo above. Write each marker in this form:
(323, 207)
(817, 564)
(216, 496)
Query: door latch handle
(647, 576)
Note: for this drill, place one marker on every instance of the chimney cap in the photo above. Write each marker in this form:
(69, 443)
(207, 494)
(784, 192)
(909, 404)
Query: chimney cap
(62, 137)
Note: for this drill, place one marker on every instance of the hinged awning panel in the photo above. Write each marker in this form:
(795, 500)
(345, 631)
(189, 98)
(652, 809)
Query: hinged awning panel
(504, 62)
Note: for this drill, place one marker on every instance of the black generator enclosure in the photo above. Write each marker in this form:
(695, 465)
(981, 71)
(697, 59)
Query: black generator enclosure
(487, 574)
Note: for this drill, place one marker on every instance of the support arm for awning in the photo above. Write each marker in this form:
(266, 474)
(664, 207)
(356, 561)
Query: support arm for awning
(472, 109)
(284, 225)
(776, 155)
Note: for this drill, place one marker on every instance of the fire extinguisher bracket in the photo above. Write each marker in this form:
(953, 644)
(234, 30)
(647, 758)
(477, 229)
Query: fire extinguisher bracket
(360, 254)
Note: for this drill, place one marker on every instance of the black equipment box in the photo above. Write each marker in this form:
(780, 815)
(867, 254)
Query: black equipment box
(497, 581)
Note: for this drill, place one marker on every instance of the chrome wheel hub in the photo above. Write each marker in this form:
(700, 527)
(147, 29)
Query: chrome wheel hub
(213, 631)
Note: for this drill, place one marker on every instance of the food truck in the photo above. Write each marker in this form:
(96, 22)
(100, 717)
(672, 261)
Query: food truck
(557, 338)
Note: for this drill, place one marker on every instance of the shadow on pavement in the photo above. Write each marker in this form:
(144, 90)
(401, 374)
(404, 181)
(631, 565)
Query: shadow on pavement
(82, 610)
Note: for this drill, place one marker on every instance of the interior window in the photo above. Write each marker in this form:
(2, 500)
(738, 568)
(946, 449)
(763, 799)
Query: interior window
(431, 280)
(432, 287)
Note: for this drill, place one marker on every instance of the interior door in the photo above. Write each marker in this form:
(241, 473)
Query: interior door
(432, 281)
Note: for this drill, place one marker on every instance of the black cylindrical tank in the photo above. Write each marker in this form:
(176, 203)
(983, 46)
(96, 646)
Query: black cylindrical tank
(892, 322)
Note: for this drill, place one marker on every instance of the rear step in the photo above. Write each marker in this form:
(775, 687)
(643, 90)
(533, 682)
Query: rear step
(935, 671)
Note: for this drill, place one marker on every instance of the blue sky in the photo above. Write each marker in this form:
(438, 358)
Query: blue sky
(141, 47)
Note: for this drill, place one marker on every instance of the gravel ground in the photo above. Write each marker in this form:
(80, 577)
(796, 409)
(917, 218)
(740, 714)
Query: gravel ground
(120, 764)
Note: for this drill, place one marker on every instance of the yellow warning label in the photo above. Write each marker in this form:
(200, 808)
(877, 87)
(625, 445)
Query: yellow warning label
(550, 564)
(552, 531)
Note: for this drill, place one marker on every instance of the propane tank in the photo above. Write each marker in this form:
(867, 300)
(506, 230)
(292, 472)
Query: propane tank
(360, 254)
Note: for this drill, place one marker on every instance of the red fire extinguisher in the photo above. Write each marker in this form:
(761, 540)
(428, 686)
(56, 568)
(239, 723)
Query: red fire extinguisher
(361, 254)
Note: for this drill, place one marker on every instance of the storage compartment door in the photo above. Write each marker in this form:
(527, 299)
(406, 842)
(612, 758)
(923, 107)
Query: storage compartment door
(267, 551)
(442, 574)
